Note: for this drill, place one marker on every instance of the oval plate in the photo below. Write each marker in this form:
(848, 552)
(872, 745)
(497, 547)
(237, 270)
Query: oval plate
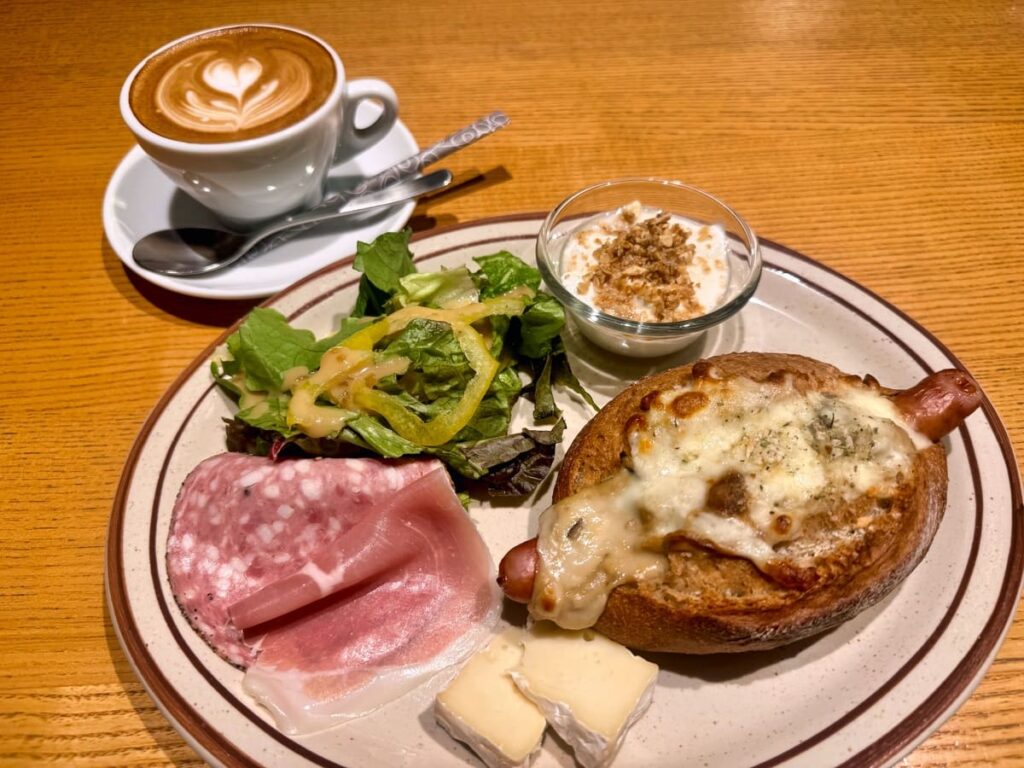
(863, 694)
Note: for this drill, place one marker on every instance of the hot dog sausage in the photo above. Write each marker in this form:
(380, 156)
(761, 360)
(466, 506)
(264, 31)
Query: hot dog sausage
(516, 571)
(934, 407)
(939, 404)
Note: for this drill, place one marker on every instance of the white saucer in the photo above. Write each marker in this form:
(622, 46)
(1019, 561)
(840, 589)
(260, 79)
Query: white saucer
(140, 200)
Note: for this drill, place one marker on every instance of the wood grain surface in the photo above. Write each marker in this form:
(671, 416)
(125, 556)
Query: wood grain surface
(883, 139)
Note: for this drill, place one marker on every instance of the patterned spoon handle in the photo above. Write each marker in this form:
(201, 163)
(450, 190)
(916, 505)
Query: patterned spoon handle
(453, 142)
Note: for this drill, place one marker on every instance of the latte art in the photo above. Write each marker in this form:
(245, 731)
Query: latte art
(209, 93)
(232, 84)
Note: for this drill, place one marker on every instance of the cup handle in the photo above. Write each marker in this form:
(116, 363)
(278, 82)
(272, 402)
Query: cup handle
(353, 139)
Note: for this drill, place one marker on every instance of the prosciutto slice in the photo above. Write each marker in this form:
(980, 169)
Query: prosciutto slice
(377, 543)
(354, 579)
(368, 643)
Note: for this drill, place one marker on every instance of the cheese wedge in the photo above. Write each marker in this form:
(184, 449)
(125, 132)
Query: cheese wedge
(590, 688)
(483, 707)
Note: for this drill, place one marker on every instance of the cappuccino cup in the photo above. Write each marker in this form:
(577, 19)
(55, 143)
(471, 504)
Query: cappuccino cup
(249, 119)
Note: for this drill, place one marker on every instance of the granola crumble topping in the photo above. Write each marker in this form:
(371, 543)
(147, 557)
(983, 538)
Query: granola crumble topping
(646, 263)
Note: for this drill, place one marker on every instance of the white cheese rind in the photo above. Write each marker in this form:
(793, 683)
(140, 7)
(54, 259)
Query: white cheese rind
(484, 709)
(591, 689)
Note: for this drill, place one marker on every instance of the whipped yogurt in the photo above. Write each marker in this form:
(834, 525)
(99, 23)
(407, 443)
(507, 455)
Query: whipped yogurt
(640, 264)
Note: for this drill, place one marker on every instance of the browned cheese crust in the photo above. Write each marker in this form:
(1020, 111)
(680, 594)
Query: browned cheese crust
(712, 603)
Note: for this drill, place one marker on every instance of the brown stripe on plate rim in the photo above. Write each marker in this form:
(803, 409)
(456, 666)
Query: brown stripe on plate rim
(805, 744)
(178, 711)
(200, 725)
(962, 677)
(191, 717)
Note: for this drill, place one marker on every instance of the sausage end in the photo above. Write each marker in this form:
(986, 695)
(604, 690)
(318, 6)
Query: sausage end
(516, 571)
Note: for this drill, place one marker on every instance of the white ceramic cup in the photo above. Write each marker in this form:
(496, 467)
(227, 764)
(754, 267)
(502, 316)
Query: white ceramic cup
(248, 181)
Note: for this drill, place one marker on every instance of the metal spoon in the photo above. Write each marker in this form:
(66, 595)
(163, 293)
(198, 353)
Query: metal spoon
(192, 251)
(404, 169)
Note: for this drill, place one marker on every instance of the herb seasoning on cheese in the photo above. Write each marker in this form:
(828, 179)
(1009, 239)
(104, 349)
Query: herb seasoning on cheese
(642, 264)
(762, 471)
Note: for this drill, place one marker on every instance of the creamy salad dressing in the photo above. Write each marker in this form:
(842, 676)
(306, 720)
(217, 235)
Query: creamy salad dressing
(708, 271)
(785, 451)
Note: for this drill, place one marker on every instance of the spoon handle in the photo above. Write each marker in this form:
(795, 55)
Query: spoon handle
(412, 165)
(404, 190)
(453, 142)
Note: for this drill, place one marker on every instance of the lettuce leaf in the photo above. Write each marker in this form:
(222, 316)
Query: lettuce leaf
(383, 263)
(380, 438)
(447, 288)
(544, 406)
(554, 371)
(540, 326)
(265, 347)
(517, 463)
(494, 414)
(502, 272)
(563, 375)
(438, 368)
(271, 414)
(438, 375)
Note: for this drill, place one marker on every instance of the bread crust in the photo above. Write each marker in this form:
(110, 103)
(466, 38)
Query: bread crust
(714, 603)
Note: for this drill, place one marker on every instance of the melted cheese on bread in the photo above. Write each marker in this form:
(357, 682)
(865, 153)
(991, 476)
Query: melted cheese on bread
(758, 470)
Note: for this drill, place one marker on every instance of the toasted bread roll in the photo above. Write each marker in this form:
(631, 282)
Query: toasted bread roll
(709, 598)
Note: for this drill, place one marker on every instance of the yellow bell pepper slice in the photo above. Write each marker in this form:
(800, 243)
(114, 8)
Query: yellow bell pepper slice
(511, 303)
(340, 367)
(344, 374)
(447, 425)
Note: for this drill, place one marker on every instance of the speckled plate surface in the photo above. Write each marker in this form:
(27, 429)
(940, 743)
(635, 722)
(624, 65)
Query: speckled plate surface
(863, 694)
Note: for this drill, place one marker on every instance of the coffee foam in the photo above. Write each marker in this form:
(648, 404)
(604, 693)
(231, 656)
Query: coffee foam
(232, 84)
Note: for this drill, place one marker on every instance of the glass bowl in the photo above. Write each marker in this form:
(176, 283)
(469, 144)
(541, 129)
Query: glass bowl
(631, 337)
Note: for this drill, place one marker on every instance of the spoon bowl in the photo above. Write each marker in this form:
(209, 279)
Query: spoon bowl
(187, 251)
(194, 251)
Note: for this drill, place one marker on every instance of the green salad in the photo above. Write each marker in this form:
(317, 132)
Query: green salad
(426, 363)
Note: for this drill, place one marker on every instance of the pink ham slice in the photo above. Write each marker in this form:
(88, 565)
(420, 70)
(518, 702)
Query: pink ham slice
(375, 544)
(368, 643)
(357, 579)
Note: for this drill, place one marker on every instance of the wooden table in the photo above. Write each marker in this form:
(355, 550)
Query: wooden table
(885, 140)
